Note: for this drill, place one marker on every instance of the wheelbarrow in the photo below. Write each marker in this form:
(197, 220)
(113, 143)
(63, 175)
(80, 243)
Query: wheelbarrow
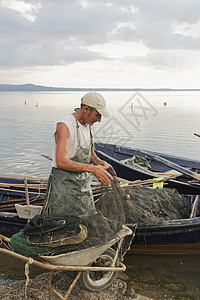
(95, 267)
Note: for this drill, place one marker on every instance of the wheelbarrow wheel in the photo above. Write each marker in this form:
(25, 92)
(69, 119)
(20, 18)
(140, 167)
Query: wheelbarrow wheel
(95, 281)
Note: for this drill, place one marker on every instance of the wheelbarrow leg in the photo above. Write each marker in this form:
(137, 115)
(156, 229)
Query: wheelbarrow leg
(117, 252)
(50, 281)
(72, 285)
(52, 288)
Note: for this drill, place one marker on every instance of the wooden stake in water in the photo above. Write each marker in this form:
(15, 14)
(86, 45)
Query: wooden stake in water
(197, 134)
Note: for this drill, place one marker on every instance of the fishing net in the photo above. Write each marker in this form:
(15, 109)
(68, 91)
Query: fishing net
(136, 161)
(101, 226)
(149, 206)
(146, 206)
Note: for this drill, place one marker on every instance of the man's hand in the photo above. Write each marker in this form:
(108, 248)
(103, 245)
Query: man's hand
(100, 172)
(105, 164)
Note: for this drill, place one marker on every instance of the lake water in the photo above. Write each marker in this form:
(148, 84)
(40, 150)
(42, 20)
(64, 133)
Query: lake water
(138, 120)
(158, 121)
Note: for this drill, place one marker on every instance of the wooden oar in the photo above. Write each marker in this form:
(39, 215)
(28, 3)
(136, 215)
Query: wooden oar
(173, 165)
(26, 190)
(156, 173)
(35, 186)
(18, 177)
(11, 207)
(13, 201)
(20, 191)
(27, 211)
(47, 156)
(150, 181)
(194, 207)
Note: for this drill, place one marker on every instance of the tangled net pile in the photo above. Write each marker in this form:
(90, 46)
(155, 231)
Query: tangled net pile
(145, 207)
(154, 206)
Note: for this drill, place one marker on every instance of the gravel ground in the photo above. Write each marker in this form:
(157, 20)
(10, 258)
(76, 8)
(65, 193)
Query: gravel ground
(16, 290)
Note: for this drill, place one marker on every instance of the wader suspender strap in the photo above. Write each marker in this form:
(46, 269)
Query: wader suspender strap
(78, 136)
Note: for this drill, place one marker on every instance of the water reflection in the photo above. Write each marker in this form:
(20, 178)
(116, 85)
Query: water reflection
(13, 269)
(165, 276)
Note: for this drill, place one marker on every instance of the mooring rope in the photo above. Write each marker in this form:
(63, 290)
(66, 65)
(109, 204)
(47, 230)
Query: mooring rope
(27, 276)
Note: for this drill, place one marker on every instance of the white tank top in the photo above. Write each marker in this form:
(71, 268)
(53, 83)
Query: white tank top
(84, 133)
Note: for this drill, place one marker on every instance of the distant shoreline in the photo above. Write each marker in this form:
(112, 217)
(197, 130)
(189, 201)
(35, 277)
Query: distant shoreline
(40, 88)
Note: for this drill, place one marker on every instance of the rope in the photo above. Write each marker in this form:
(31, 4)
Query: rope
(39, 192)
(129, 245)
(47, 196)
(27, 276)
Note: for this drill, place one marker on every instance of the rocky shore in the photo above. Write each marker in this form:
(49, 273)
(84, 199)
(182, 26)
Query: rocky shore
(16, 290)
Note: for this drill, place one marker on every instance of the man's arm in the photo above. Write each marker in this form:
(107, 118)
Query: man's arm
(97, 161)
(62, 136)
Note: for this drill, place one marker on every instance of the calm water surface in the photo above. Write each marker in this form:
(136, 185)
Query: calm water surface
(140, 120)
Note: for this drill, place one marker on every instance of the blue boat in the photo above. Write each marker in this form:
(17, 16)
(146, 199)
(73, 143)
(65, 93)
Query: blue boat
(177, 236)
(118, 155)
(12, 191)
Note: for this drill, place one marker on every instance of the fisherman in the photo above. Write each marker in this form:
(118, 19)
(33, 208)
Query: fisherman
(69, 186)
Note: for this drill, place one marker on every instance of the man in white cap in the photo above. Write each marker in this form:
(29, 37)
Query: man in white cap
(69, 191)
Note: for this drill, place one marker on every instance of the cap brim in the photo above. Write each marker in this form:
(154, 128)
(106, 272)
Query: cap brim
(104, 112)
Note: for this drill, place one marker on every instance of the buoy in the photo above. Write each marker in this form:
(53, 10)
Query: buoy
(144, 216)
(127, 197)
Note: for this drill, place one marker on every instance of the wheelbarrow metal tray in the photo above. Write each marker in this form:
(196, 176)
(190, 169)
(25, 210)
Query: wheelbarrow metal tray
(84, 257)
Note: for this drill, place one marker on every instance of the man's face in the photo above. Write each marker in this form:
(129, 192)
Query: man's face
(92, 116)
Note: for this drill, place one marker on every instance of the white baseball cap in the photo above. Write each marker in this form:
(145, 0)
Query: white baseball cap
(96, 101)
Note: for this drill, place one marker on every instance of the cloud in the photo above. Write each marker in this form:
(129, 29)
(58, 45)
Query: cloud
(156, 22)
(26, 10)
(44, 53)
(153, 34)
(60, 32)
(169, 60)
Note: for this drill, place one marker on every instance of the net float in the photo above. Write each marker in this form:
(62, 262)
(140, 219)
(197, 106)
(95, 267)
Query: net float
(127, 197)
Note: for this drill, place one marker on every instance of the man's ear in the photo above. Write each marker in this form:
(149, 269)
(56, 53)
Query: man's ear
(86, 109)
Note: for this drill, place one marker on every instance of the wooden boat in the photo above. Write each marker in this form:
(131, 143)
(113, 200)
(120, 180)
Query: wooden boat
(12, 191)
(187, 183)
(177, 236)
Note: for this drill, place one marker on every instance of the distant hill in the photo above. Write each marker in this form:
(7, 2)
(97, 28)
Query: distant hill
(27, 87)
(37, 88)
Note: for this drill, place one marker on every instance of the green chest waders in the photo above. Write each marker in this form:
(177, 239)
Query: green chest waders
(69, 193)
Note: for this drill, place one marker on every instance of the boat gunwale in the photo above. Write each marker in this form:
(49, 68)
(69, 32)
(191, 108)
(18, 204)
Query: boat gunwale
(125, 151)
(188, 224)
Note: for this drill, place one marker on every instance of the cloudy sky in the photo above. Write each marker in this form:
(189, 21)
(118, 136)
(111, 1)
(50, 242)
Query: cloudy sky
(100, 43)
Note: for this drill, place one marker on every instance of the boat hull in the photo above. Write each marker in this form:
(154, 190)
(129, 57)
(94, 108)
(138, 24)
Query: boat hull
(178, 236)
(10, 223)
(182, 239)
(12, 192)
(114, 154)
